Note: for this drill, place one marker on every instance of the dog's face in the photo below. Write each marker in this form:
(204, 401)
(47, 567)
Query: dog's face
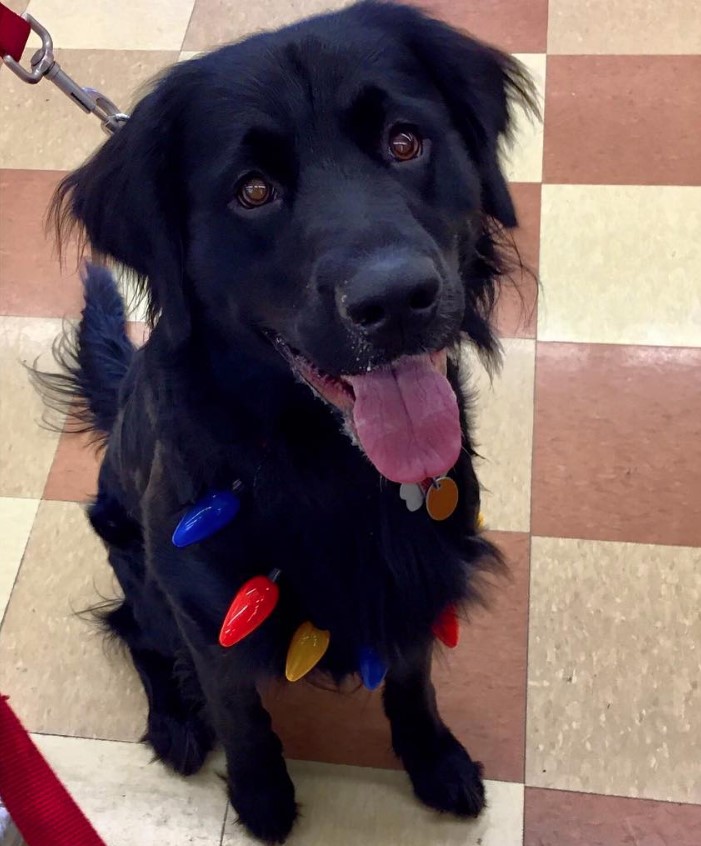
(325, 192)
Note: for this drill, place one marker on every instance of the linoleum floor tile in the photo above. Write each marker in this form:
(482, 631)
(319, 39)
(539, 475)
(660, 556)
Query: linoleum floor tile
(103, 25)
(73, 474)
(26, 449)
(217, 22)
(523, 159)
(509, 24)
(614, 701)
(617, 454)
(557, 818)
(54, 663)
(16, 519)
(41, 129)
(347, 806)
(503, 413)
(623, 120)
(624, 26)
(133, 801)
(620, 265)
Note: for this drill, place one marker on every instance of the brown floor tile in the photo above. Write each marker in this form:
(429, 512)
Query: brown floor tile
(32, 282)
(56, 667)
(617, 453)
(217, 22)
(517, 310)
(481, 691)
(623, 120)
(624, 26)
(73, 474)
(555, 818)
(614, 702)
(513, 25)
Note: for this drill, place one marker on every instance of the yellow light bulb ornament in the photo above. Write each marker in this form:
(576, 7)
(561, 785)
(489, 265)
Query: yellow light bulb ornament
(306, 649)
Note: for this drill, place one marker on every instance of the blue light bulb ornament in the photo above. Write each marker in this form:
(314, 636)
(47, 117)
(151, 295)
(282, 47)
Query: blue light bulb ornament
(206, 517)
(371, 667)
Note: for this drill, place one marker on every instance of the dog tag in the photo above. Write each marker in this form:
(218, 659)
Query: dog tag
(307, 648)
(442, 498)
(412, 495)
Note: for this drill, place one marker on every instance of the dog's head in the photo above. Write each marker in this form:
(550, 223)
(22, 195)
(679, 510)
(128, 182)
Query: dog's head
(329, 192)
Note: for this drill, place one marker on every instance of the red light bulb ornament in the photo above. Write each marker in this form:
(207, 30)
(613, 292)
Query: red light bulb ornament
(446, 628)
(252, 605)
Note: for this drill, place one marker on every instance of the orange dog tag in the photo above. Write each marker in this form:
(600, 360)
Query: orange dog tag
(442, 498)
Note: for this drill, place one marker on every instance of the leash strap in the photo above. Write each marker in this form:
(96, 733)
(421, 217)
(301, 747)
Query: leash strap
(39, 805)
(14, 34)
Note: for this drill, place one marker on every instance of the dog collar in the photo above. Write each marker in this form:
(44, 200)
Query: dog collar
(257, 598)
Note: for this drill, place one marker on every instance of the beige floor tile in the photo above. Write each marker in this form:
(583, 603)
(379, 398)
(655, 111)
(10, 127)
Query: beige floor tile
(216, 22)
(620, 265)
(39, 126)
(26, 449)
(504, 436)
(16, 518)
(349, 806)
(624, 26)
(524, 161)
(614, 697)
(62, 676)
(105, 25)
(133, 802)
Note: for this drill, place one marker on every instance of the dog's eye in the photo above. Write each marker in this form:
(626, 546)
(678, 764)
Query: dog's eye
(254, 191)
(404, 144)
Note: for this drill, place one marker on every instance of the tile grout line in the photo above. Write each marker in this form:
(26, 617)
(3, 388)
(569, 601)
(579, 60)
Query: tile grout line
(223, 825)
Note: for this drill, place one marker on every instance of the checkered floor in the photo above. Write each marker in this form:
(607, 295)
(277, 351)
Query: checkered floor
(581, 689)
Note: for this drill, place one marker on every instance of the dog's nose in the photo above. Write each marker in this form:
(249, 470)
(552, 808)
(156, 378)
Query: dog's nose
(393, 294)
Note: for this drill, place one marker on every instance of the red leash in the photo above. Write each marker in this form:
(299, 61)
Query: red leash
(39, 805)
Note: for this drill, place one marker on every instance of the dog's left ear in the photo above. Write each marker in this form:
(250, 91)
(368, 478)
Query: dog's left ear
(480, 85)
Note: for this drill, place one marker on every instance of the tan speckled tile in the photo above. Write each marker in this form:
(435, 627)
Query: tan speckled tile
(348, 806)
(620, 265)
(614, 700)
(56, 667)
(504, 436)
(558, 818)
(524, 160)
(39, 126)
(132, 801)
(26, 449)
(624, 26)
(128, 25)
(216, 22)
(16, 519)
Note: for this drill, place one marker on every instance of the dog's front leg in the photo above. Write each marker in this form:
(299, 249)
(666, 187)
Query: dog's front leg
(260, 788)
(441, 771)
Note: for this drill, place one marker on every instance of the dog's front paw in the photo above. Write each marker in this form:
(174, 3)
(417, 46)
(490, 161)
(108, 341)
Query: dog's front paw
(449, 780)
(181, 741)
(266, 806)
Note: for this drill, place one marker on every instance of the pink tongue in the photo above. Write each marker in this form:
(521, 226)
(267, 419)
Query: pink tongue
(407, 420)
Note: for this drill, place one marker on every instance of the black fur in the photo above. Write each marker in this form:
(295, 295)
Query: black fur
(208, 400)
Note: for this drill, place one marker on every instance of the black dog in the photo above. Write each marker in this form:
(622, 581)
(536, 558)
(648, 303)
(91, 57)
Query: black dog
(319, 207)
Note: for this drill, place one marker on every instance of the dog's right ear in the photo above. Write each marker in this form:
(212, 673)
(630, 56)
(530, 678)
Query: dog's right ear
(127, 200)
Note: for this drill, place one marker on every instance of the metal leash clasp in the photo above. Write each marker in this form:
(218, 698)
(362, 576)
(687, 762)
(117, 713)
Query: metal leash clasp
(44, 65)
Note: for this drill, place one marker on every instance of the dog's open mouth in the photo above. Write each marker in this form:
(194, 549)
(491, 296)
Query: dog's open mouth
(405, 414)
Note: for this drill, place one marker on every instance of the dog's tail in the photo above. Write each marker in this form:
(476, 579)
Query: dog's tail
(93, 358)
